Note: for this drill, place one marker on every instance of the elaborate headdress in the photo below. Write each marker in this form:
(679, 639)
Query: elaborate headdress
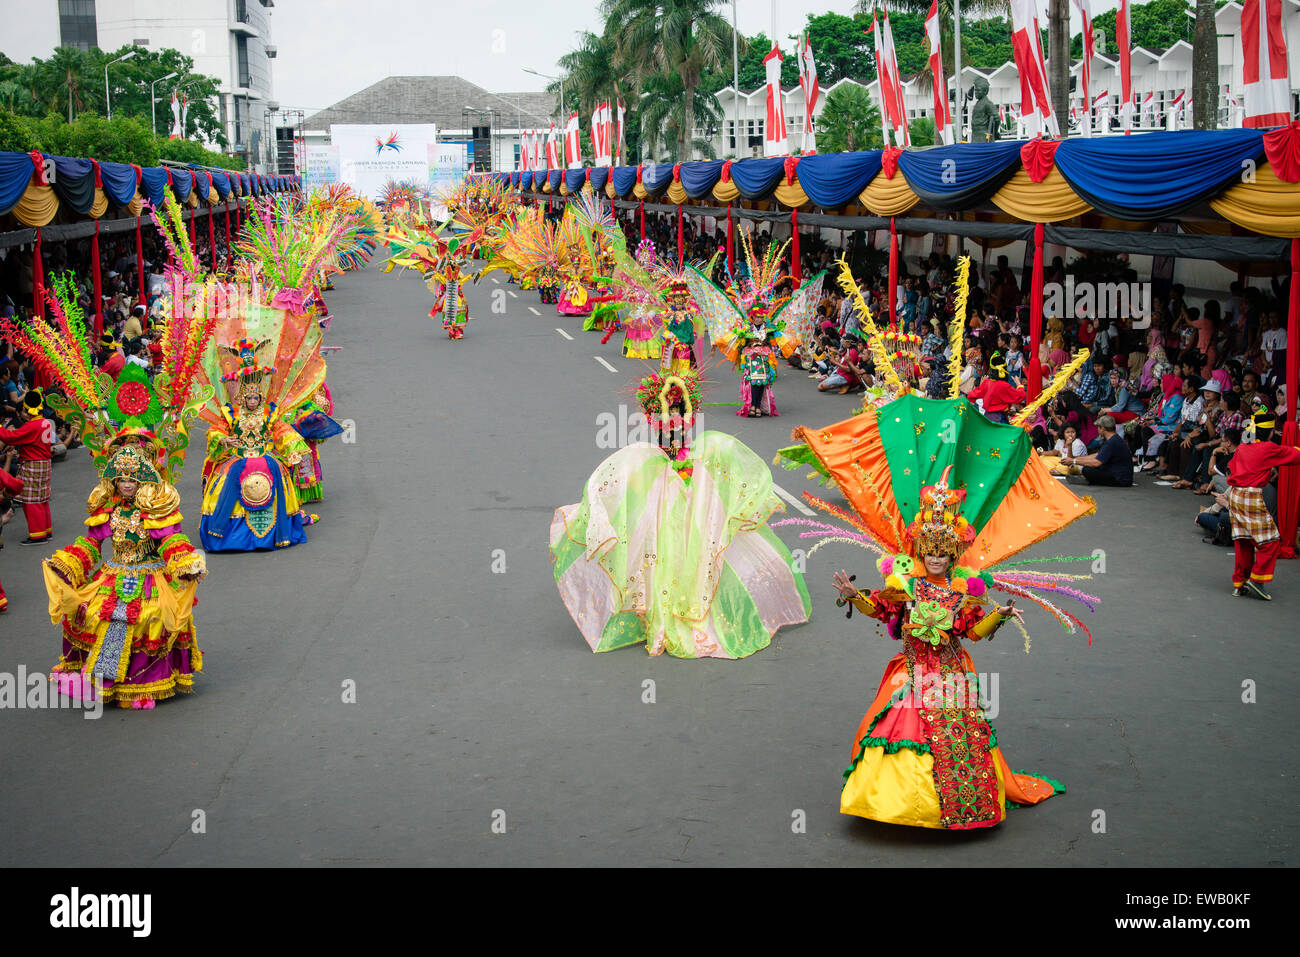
(129, 462)
(939, 527)
(33, 402)
(252, 372)
(1262, 419)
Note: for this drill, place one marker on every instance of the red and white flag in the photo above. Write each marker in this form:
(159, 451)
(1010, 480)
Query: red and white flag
(622, 111)
(572, 142)
(601, 135)
(1101, 103)
(774, 138)
(175, 133)
(1175, 111)
(811, 93)
(891, 87)
(1124, 50)
(552, 149)
(1148, 107)
(1264, 71)
(1035, 99)
(942, 111)
(1085, 62)
(523, 149)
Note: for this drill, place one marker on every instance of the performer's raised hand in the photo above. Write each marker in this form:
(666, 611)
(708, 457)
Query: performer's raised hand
(844, 585)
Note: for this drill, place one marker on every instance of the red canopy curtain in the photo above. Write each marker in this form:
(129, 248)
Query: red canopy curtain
(681, 251)
(95, 277)
(893, 271)
(139, 259)
(794, 247)
(1034, 375)
(731, 242)
(212, 239)
(1288, 478)
(38, 279)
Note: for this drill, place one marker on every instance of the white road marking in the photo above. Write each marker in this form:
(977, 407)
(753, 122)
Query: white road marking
(791, 500)
(497, 280)
(533, 311)
(512, 294)
(563, 333)
(610, 368)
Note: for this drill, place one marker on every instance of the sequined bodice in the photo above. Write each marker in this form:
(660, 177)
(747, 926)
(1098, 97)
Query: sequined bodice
(252, 433)
(131, 542)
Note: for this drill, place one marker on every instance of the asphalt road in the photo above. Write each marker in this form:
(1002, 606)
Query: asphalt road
(428, 585)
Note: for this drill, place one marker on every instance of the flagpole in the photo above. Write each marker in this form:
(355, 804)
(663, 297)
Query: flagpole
(735, 81)
(961, 102)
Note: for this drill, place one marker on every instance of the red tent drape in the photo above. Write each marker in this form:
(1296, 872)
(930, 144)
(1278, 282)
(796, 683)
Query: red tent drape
(38, 279)
(95, 278)
(794, 246)
(139, 259)
(731, 243)
(230, 251)
(1288, 478)
(681, 252)
(893, 271)
(212, 239)
(1034, 375)
(641, 213)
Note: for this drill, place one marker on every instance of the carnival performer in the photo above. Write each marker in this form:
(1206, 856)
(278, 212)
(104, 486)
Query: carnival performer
(681, 323)
(751, 324)
(641, 313)
(33, 440)
(9, 486)
(995, 394)
(128, 621)
(718, 583)
(250, 499)
(1255, 537)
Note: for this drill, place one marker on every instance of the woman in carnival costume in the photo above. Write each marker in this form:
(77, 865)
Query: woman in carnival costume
(250, 498)
(925, 753)
(752, 325)
(313, 421)
(127, 621)
(670, 544)
(641, 315)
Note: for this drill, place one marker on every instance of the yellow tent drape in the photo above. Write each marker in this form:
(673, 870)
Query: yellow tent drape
(38, 206)
(1268, 205)
(726, 192)
(889, 197)
(677, 194)
(100, 205)
(791, 195)
(193, 201)
(639, 191)
(1050, 201)
(136, 205)
(609, 188)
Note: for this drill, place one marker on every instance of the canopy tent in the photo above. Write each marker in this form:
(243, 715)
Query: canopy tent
(44, 197)
(1235, 194)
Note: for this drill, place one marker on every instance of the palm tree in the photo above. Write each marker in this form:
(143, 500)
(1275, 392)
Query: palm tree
(657, 37)
(1205, 68)
(668, 112)
(65, 74)
(850, 121)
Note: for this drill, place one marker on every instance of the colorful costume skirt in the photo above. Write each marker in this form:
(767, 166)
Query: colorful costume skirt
(640, 340)
(686, 565)
(230, 524)
(129, 628)
(928, 757)
(315, 427)
(566, 306)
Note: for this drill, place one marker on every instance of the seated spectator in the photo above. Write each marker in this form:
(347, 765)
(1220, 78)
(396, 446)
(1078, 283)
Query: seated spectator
(1111, 464)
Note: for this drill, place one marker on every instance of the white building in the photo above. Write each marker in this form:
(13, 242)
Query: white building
(227, 39)
(1166, 74)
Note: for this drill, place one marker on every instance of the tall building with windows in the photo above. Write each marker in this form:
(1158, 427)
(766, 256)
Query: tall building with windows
(227, 39)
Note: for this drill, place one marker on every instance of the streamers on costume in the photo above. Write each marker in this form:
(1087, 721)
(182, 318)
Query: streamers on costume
(128, 624)
(673, 549)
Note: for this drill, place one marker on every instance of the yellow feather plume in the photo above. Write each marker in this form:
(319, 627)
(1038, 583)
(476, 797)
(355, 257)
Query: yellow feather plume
(874, 343)
(1056, 385)
(957, 331)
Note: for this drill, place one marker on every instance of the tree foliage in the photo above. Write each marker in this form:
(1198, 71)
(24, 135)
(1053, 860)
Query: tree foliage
(850, 121)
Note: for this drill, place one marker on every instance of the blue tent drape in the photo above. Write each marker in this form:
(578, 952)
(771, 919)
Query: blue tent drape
(624, 179)
(1154, 175)
(119, 182)
(182, 183)
(539, 177)
(553, 178)
(201, 185)
(222, 182)
(153, 184)
(834, 179)
(699, 178)
(573, 179)
(961, 175)
(74, 182)
(655, 177)
(599, 177)
(755, 178)
(15, 174)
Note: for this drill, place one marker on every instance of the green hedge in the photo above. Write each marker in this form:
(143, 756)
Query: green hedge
(122, 140)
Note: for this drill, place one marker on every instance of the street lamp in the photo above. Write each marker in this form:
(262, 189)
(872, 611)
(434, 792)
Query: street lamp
(108, 104)
(153, 101)
(547, 76)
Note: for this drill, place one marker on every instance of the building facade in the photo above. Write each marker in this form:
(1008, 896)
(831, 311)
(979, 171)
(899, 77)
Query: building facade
(227, 39)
